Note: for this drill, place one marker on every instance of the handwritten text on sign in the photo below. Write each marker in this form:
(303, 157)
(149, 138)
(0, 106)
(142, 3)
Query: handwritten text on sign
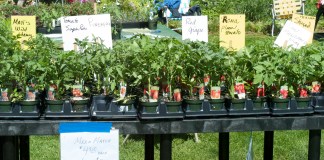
(195, 28)
(292, 36)
(307, 22)
(90, 146)
(25, 26)
(81, 27)
(232, 31)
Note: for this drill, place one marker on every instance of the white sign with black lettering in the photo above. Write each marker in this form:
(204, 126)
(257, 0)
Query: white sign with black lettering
(90, 145)
(292, 36)
(195, 28)
(87, 26)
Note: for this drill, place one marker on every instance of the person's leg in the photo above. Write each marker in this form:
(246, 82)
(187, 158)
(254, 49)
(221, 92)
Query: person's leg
(175, 13)
(162, 19)
(319, 13)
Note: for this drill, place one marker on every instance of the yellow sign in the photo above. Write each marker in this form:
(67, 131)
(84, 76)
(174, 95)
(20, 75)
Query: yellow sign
(307, 22)
(24, 26)
(232, 31)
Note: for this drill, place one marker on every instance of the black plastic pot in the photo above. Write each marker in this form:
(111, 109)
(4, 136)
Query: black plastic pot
(135, 24)
(29, 106)
(194, 105)
(260, 103)
(126, 106)
(54, 105)
(5, 106)
(303, 102)
(237, 104)
(152, 24)
(280, 104)
(149, 107)
(80, 105)
(217, 104)
(173, 107)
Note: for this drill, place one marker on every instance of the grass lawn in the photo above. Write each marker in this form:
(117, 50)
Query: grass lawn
(287, 144)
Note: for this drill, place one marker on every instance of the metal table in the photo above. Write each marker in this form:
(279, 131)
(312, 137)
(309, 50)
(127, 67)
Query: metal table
(314, 123)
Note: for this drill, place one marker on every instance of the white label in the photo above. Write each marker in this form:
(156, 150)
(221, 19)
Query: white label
(195, 28)
(90, 145)
(292, 36)
(87, 26)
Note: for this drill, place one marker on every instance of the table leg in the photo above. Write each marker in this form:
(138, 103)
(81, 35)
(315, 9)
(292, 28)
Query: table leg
(24, 147)
(149, 147)
(166, 147)
(10, 148)
(268, 145)
(314, 144)
(223, 146)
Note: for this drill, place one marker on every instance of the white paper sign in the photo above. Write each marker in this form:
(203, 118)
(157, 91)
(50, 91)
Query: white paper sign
(292, 36)
(87, 26)
(195, 28)
(95, 144)
(90, 146)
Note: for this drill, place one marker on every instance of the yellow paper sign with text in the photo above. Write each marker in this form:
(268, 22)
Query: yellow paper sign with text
(307, 22)
(24, 26)
(232, 31)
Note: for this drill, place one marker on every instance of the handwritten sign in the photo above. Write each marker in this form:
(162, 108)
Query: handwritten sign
(24, 26)
(89, 141)
(292, 36)
(195, 28)
(232, 31)
(91, 27)
(307, 22)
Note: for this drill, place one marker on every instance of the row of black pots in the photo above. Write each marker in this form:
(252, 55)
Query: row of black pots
(105, 107)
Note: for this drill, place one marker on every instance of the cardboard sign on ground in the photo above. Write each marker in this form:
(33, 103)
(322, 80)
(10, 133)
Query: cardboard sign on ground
(307, 22)
(195, 28)
(24, 26)
(88, 141)
(232, 31)
(292, 36)
(87, 26)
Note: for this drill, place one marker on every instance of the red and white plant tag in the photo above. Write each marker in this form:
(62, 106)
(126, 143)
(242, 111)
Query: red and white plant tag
(303, 92)
(154, 94)
(201, 92)
(283, 92)
(77, 91)
(122, 91)
(206, 80)
(215, 92)
(316, 87)
(260, 91)
(4, 94)
(177, 95)
(51, 92)
(240, 90)
(165, 87)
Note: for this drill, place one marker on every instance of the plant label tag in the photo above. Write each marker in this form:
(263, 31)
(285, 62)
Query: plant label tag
(316, 87)
(154, 94)
(165, 87)
(206, 80)
(283, 92)
(4, 94)
(240, 90)
(177, 95)
(215, 92)
(260, 91)
(122, 92)
(51, 92)
(25, 26)
(76, 91)
(201, 92)
(303, 92)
